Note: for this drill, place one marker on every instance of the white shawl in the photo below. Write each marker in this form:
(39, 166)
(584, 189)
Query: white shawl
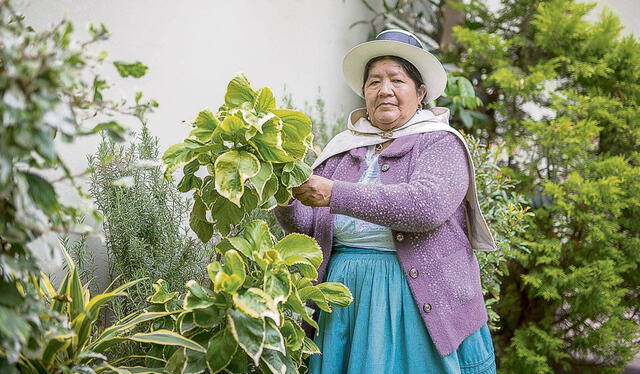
(360, 132)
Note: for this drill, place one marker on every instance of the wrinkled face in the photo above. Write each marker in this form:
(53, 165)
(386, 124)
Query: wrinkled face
(390, 95)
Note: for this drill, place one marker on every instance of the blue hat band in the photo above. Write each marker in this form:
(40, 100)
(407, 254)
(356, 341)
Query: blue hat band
(399, 37)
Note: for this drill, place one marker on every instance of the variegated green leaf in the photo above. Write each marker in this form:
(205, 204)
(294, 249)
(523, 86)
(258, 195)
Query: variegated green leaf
(248, 332)
(220, 350)
(336, 293)
(166, 337)
(277, 284)
(299, 248)
(232, 169)
(239, 91)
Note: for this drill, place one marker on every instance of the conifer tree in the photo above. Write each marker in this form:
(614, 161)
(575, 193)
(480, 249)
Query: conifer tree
(563, 93)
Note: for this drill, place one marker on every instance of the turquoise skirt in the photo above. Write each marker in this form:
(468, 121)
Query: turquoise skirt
(382, 331)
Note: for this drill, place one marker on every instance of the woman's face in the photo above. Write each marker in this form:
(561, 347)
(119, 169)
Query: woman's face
(390, 95)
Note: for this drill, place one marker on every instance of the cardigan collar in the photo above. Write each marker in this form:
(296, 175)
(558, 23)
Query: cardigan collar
(360, 133)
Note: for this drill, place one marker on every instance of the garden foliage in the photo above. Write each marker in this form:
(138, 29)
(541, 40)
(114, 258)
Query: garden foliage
(143, 220)
(248, 316)
(572, 303)
(253, 154)
(49, 88)
(69, 339)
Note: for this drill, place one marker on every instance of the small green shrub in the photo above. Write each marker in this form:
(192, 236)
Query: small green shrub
(248, 318)
(69, 341)
(143, 220)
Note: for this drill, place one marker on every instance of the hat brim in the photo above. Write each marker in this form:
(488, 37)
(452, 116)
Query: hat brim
(431, 70)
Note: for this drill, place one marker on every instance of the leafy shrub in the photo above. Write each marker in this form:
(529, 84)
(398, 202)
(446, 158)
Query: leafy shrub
(248, 318)
(252, 152)
(571, 303)
(143, 220)
(68, 341)
(49, 86)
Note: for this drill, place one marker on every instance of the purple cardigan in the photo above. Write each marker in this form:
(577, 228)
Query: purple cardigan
(424, 179)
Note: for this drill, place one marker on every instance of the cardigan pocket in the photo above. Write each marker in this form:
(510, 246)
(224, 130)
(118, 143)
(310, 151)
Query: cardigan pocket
(461, 276)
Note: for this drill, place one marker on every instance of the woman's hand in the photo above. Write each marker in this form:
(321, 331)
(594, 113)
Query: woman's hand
(314, 192)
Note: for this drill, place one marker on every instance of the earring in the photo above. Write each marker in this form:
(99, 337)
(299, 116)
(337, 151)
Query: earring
(419, 107)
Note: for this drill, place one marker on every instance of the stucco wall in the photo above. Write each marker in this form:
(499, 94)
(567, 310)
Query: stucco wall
(194, 47)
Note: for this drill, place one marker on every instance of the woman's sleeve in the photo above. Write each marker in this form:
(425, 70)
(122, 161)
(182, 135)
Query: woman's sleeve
(434, 191)
(295, 216)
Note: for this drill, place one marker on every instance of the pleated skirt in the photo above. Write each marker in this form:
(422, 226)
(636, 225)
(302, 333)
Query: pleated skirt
(382, 331)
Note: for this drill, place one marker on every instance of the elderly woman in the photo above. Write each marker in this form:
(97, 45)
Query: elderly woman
(393, 205)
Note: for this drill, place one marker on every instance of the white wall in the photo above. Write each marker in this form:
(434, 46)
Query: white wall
(194, 47)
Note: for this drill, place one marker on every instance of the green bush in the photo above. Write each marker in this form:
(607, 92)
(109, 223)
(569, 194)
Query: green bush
(69, 341)
(571, 304)
(248, 317)
(49, 87)
(143, 220)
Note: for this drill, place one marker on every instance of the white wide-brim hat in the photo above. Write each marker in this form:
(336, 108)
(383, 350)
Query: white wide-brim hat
(399, 43)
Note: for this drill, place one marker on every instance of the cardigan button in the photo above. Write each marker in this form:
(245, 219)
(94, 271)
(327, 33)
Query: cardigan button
(413, 273)
(384, 167)
(399, 237)
(426, 307)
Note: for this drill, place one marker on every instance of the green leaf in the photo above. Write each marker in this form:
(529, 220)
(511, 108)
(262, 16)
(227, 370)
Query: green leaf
(126, 325)
(239, 91)
(176, 363)
(41, 192)
(277, 284)
(234, 265)
(293, 334)
(76, 293)
(248, 332)
(175, 156)
(197, 297)
(309, 271)
(239, 363)
(162, 293)
(255, 303)
(309, 347)
(114, 130)
(227, 214)
(298, 175)
(232, 129)
(189, 182)
(298, 248)
(220, 350)
(198, 220)
(204, 125)
(242, 245)
(166, 337)
(264, 100)
(273, 338)
(336, 293)
(208, 191)
(314, 294)
(258, 235)
(232, 169)
(278, 362)
(269, 143)
(296, 128)
(260, 180)
(295, 304)
(282, 195)
(54, 345)
(135, 69)
(208, 317)
(224, 282)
